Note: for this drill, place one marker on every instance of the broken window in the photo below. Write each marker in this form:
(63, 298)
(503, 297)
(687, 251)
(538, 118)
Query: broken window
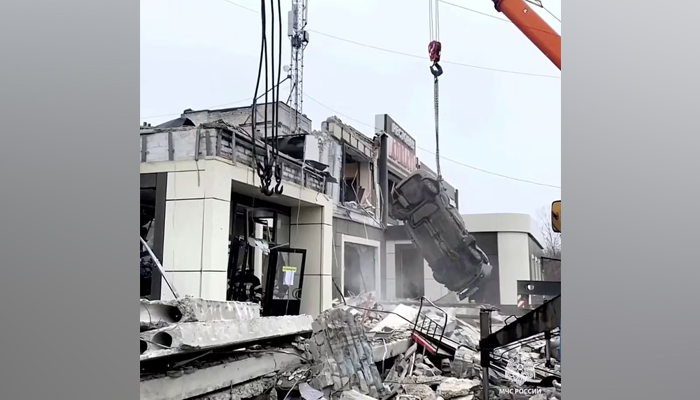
(360, 269)
(358, 180)
(410, 279)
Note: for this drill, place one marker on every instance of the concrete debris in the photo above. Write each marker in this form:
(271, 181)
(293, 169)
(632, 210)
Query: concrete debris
(458, 377)
(158, 314)
(309, 393)
(289, 378)
(398, 320)
(354, 395)
(451, 388)
(357, 351)
(423, 392)
(342, 356)
(204, 377)
(246, 390)
(190, 336)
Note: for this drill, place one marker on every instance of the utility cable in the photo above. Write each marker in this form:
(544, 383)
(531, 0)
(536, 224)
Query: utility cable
(278, 168)
(415, 55)
(552, 14)
(246, 100)
(444, 62)
(493, 16)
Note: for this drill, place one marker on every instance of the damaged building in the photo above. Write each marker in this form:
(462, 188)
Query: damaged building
(314, 292)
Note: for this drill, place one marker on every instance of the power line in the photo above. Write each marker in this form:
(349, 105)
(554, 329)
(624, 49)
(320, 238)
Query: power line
(442, 157)
(552, 14)
(415, 55)
(472, 10)
(421, 148)
(426, 58)
(241, 6)
(226, 104)
(495, 17)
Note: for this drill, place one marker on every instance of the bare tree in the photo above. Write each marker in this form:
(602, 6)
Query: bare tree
(551, 264)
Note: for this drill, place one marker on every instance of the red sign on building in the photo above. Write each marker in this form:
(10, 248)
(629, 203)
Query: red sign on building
(403, 146)
(402, 155)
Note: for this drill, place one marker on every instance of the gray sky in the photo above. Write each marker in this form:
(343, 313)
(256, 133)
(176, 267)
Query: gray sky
(204, 54)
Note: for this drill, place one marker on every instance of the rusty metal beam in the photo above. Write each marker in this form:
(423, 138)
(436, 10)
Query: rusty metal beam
(542, 319)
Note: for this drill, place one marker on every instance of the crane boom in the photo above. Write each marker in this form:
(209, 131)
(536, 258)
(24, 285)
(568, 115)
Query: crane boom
(533, 26)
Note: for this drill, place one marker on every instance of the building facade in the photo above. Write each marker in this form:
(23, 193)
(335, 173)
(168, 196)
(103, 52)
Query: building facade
(206, 220)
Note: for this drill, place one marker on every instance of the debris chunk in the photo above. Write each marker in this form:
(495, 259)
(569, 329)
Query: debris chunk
(423, 392)
(451, 388)
(354, 395)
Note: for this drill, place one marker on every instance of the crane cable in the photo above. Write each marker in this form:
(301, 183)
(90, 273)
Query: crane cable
(270, 166)
(434, 50)
(260, 167)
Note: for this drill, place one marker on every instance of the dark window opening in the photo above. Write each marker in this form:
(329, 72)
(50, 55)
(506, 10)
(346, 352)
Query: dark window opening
(152, 225)
(351, 179)
(410, 279)
(147, 265)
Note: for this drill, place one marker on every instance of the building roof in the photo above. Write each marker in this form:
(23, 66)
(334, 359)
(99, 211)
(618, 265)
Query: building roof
(176, 123)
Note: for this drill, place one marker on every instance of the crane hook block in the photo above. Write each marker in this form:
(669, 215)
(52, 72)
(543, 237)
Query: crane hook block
(434, 49)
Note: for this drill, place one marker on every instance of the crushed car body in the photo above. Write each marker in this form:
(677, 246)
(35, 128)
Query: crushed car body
(439, 232)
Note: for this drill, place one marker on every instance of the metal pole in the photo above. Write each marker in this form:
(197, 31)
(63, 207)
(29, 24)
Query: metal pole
(160, 267)
(384, 177)
(485, 328)
(548, 349)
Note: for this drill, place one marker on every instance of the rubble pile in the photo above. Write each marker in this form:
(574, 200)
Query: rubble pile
(208, 350)
(418, 373)
(353, 351)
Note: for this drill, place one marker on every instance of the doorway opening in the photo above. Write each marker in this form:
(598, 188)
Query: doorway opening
(410, 272)
(360, 266)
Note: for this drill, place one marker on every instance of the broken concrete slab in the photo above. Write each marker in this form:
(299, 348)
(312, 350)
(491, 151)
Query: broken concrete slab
(248, 390)
(395, 321)
(453, 387)
(203, 335)
(343, 357)
(423, 392)
(158, 314)
(215, 377)
(384, 351)
(354, 395)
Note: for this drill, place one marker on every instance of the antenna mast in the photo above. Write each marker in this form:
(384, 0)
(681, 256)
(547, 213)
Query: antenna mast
(299, 38)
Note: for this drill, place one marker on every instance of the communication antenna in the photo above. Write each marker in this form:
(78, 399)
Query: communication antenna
(299, 38)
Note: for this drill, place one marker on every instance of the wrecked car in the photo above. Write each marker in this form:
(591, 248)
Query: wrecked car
(439, 232)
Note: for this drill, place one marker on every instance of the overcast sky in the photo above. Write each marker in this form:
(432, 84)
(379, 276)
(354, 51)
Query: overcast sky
(203, 54)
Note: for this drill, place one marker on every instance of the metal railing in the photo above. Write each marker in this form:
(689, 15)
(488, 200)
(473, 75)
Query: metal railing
(428, 325)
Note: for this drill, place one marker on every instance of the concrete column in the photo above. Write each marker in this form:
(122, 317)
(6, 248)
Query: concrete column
(312, 229)
(513, 264)
(390, 290)
(258, 259)
(197, 218)
(383, 172)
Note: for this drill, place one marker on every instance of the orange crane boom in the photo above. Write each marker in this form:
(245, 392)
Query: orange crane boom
(533, 26)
